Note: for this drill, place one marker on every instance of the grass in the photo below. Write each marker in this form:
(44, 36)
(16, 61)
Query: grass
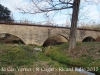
(22, 56)
(60, 54)
(52, 56)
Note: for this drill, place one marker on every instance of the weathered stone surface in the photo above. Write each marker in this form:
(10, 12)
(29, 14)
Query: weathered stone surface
(39, 34)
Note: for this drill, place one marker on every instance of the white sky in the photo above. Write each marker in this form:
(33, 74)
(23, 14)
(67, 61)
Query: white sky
(91, 10)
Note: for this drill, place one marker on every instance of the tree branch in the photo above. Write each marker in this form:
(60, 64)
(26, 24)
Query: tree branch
(51, 6)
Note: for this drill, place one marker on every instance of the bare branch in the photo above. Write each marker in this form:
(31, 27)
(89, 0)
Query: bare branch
(64, 2)
(48, 6)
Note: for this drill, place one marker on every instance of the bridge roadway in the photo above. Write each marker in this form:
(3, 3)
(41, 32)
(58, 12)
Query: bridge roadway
(38, 34)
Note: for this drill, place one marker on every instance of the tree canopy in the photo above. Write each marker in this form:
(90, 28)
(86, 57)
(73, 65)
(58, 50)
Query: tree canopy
(5, 14)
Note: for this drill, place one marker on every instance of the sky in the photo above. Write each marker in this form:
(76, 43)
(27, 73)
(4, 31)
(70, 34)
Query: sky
(91, 12)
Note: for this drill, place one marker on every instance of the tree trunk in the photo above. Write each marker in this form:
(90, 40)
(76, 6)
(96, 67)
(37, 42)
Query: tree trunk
(73, 30)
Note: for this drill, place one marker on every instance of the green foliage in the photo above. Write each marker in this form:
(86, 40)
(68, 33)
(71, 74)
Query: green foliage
(22, 55)
(58, 54)
(53, 56)
(5, 14)
(16, 56)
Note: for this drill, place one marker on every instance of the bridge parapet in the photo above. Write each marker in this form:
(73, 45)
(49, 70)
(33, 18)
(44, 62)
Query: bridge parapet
(36, 34)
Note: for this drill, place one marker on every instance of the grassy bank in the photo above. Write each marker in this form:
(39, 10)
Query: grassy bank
(86, 55)
(24, 60)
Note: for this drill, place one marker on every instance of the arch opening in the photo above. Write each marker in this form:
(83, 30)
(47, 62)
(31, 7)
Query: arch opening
(55, 40)
(7, 38)
(88, 39)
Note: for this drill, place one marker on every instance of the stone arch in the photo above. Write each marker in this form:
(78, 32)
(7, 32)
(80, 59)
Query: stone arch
(88, 39)
(54, 40)
(66, 37)
(10, 38)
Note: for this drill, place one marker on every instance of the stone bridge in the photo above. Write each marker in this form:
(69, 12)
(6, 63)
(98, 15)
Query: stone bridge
(39, 34)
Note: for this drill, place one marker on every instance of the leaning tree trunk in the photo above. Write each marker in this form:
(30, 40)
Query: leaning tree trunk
(72, 37)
